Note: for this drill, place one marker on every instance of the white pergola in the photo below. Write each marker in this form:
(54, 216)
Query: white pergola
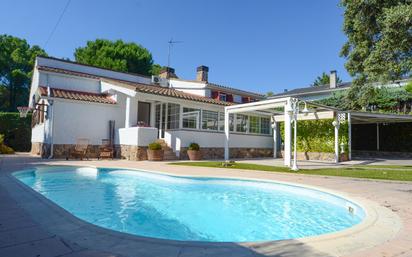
(287, 110)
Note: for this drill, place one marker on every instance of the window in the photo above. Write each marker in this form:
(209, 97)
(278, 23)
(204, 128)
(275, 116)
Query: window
(191, 118)
(222, 121)
(265, 126)
(241, 123)
(254, 124)
(222, 97)
(209, 120)
(173, 111)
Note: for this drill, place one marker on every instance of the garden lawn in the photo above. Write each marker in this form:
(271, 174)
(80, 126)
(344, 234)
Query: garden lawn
(388, 172)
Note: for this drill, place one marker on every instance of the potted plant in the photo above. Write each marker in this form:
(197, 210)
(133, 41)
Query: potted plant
(194, 152)
(155, 152)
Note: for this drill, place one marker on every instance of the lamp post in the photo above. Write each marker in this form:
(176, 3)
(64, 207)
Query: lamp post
(293, 112)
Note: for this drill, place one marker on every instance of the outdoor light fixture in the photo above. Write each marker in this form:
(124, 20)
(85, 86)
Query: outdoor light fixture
(305, 110)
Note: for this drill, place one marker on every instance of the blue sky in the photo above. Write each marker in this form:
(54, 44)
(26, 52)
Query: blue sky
(260, 45)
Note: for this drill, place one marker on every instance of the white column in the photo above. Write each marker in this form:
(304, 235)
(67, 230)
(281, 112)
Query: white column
(288, 135)
(377, 137)
(336, 125)
(127, 113)
(275, 139)
(349, 137)
(226, 135)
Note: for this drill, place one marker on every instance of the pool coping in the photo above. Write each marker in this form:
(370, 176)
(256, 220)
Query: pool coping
(379, 225)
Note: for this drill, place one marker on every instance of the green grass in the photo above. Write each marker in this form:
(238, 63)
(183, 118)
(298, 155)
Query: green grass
(388, 172)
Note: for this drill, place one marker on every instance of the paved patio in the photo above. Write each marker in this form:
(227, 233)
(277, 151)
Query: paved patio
(31, 225)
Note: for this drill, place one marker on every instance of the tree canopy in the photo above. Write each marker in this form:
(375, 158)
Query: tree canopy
(378, 48)
(16, 65)
(117, 55)
(324, 79)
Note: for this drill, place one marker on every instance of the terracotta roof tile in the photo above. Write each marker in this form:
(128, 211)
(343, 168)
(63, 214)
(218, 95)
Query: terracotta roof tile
(144, 88)
(170, 92)
(77, 95)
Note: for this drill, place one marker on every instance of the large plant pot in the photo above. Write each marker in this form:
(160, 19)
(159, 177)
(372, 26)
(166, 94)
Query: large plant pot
(194, 155)
(155, 155)
(344, 157)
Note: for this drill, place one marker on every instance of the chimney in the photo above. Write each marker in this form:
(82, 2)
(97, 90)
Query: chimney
(202, 73)
(333, 83)
(167, 73)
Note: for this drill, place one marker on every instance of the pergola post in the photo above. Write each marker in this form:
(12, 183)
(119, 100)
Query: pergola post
(335, 123)
(227, 130)
(288, 134)
(377, 137)
(275, 139)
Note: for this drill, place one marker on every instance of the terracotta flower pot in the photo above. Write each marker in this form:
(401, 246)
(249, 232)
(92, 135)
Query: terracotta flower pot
(155, 155)
(194, 155)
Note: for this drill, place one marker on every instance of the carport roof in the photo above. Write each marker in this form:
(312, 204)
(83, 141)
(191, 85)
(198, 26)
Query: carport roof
(370, 117)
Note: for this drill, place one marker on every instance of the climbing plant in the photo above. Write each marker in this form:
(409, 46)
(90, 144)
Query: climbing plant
(318, 135)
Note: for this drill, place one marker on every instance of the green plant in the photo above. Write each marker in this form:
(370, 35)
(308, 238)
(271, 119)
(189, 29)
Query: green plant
(16, 130)
(318, 135)
(4, 149)
(408, 87)
(155, 146)
(194, 147)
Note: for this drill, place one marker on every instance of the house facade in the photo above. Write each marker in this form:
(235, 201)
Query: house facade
(72, 101)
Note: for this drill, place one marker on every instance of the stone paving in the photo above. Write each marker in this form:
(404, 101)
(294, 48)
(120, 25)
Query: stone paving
(31, 225)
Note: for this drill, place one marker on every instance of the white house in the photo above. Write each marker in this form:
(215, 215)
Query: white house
(73, 101)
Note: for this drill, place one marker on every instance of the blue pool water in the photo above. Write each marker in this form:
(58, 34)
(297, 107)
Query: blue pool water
(199, 209)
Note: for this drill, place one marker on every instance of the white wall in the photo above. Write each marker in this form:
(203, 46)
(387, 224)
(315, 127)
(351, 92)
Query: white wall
(92, 70)
(69, 82)
(140, 136)
(37, 133)
(76, 119)
(182, 138)
(191, 87)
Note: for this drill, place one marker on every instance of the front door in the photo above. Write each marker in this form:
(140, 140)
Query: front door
(143, 114)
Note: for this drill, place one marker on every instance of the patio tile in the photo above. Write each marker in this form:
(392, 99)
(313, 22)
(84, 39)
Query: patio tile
(90, 253)
(17, 223)
(217, 252)
(23, 235)
(50, 247)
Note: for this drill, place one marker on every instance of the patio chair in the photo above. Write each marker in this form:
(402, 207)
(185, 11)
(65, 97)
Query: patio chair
(80, 150)
(106, 150)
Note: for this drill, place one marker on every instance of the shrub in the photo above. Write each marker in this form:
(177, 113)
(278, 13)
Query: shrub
(16, 130)
(194, 147)
(4, 149)
(155, 146)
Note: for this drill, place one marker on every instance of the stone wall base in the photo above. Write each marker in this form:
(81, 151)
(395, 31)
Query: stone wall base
(319, 156)
(211, 153)
(40, 149)
(139, 153)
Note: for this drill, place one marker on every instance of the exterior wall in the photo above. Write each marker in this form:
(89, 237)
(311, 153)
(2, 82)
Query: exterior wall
(137, 136)
(76, 119)
(180, 139)
(190, 87)
(92, 70)
(69, 82)
(37, 133)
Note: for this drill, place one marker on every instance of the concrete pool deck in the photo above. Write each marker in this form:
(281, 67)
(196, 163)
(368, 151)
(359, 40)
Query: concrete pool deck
(31, 225)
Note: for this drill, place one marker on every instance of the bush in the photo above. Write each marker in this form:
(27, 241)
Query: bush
(16, 130)
(155, 146)
(4, 149)
(194, 147)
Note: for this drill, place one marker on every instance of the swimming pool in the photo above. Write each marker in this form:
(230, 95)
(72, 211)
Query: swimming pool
(192, 209)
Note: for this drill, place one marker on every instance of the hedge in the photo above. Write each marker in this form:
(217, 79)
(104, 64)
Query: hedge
(16, 130)
(318, 135)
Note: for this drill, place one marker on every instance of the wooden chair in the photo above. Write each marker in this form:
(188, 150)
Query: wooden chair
(80, 150)
(106, 150)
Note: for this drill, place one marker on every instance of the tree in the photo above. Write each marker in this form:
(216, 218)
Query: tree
(269, 93)
(117, 55)
(324, 79)
(17, 59)
(379, 42)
